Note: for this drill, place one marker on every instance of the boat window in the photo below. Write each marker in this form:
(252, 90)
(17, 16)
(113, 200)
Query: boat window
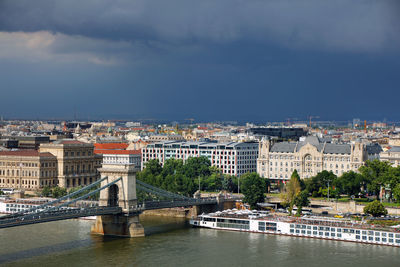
(384, 239)
(315, 228)
(321, 233)
(327, 229)
(333, 229)
(297, 231)
(321, 228)
(314, 232)
(364, 232)
(308, 232)
(303, 231)
(390, 240)
(292, 226)
(358, 232)
(390, 235)
(364, 237)
(339, 235)
(377, 239)
(298, 225)
(351, 231)
(384, 234)
(345, 230)
(377, 234)
(304, 226)
(370, 232)
(370, 238)
(333, 234)
(339, 230)
(357, 237)
(398, 241)
(309, 227)
(326, 233)
(397, 235)
(292, 230)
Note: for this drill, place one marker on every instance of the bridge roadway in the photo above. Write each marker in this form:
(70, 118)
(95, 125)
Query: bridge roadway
(73, 213)
(57, 215)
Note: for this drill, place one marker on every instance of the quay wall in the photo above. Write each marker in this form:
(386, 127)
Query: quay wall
(351, 206)
(335, 207)
(191, 211)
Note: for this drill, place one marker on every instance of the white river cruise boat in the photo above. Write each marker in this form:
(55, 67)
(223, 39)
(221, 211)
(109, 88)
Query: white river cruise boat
(310, 227)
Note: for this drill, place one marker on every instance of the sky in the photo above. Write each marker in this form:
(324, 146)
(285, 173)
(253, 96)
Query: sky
(243, 60)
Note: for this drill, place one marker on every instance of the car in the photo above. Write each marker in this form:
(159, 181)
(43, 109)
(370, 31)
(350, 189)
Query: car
(324, 212)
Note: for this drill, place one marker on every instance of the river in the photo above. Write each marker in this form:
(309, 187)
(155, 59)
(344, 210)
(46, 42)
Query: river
(172, 242)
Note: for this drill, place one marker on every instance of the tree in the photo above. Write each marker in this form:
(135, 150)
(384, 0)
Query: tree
(376, 174)
(296, 175)
(1, 192)
(396, 192)
(58, 192)
(350, 183)
(228, 183)
(46, 191)
(197, 166)
(321, 180)
(301, 200)
(253, 188)
(375, 208)
(291, 190)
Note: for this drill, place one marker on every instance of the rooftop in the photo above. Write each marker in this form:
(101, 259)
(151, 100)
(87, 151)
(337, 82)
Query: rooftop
(26, 153)
(117, 152)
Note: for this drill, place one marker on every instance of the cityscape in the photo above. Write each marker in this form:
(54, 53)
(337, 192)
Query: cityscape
(183, 133)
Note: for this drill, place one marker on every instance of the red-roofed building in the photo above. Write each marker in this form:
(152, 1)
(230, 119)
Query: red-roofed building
(120, 146)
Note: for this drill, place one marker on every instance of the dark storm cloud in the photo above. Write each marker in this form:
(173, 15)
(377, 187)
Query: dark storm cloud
(207, 59)
(355, 25)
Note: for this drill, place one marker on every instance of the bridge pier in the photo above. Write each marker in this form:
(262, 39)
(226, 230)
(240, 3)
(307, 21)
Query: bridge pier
(122, 194)
(118, 225)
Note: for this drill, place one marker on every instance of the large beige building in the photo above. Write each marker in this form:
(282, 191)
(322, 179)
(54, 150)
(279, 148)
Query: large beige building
(64, 163)
(27, 169)
(76, 162)
(278, 160)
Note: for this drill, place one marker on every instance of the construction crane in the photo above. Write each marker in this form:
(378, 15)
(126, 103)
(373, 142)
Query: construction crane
(313, 117)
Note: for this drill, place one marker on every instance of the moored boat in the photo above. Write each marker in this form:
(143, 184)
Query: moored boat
(310, 227)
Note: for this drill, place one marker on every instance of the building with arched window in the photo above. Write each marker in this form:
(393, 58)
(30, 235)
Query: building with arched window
(310, 156)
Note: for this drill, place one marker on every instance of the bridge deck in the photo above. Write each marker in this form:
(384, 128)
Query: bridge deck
(57, 215)
(65, 214)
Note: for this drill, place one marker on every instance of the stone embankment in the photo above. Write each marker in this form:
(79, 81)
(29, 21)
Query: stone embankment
(334, 207)
(343, 207)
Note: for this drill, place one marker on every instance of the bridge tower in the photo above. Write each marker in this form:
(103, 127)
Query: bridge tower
(122, 194)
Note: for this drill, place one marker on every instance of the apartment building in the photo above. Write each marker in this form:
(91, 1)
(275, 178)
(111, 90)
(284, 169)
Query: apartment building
(231, 158)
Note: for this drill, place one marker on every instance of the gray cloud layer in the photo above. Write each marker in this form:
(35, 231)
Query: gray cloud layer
(340, 25)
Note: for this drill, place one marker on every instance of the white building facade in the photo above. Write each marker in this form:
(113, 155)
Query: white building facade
(231, 158)
(122, 157)
(309, 157)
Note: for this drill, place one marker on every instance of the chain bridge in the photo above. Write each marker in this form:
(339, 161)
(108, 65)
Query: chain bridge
(122, 199)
